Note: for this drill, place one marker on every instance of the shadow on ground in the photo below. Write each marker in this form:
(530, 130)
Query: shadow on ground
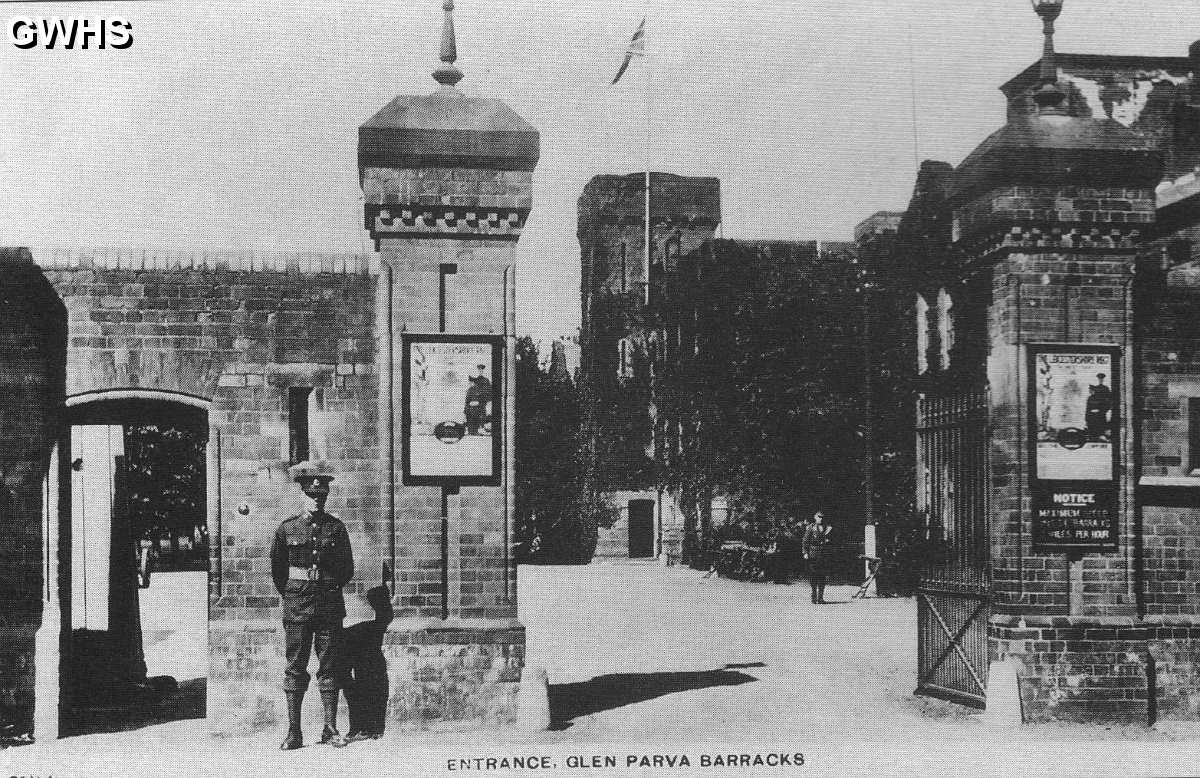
(569, 701)
(135, 707)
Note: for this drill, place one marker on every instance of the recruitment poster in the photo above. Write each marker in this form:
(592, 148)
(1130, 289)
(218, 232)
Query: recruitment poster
(1074, 429)
(451, 422)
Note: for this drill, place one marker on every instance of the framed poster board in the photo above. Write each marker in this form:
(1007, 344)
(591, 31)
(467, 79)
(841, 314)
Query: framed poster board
(1074, 430)
(451, 409)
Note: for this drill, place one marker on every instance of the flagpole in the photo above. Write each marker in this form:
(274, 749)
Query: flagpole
(637, 48)
(646, 151)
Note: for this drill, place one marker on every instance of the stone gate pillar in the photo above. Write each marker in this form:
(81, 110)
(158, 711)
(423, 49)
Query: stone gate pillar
(32, 372)
(1049, 212)
(447, 181)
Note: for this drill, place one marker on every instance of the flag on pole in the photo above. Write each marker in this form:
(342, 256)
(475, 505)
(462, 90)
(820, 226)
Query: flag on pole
(637, 47)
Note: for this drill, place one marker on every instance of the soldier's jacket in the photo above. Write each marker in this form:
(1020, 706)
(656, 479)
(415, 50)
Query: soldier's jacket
(305, 540)
(814, 542)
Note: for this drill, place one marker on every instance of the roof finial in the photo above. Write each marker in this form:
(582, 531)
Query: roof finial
(447, 74)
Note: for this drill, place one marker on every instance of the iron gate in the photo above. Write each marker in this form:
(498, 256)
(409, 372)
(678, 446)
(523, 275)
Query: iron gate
(954, 594)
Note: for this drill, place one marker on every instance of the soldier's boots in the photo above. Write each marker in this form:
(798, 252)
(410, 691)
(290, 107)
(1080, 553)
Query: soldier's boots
(330, 735)
(294, 739)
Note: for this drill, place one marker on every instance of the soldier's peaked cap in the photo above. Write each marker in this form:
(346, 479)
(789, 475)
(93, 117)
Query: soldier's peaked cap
(311, 471)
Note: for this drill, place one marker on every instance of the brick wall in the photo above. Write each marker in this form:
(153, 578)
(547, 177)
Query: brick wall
(1055, 278)
(1074, 626)
(1062, 216)
(1052, 297)
(482, 573)
(239, 331)
(1103, 668)
(1169, 371)
(454, 675)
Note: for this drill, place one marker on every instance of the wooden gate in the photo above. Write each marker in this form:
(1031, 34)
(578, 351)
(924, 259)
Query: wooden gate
(954, 595)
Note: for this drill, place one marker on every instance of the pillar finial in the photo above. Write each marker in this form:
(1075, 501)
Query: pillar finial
(1050, 96)
(447, 73)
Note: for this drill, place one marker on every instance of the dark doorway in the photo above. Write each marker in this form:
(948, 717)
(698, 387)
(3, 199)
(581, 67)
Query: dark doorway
(135, 607)
(641, 528)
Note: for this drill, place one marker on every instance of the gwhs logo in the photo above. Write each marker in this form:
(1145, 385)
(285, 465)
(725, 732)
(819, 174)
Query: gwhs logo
(52, 32)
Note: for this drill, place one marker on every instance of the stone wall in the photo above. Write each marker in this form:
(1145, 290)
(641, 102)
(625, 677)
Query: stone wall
(612, 215)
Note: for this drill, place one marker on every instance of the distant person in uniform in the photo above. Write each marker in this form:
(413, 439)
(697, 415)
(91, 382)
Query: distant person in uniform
(311, 561)
(478, 405)
(1099, 405)
(815, 548)
(366, 682)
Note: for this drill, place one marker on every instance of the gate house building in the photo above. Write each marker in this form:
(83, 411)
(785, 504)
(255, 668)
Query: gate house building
(278, 358)
(1058, 421)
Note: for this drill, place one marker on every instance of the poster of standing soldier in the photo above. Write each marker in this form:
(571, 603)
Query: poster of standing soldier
(451, 403)
(1074, 413)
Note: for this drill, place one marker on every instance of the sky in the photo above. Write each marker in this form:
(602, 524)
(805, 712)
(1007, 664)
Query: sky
(233, 125)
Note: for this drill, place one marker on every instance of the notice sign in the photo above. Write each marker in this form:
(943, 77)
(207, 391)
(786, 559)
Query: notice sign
(1074, 427)
(1068, 517)
(1074, 413)
(451, 430)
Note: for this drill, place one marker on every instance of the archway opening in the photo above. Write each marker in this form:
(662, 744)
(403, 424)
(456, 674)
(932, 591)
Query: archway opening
(136, 607)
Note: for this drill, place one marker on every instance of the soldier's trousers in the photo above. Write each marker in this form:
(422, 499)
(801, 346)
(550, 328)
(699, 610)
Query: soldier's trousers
(299, 638)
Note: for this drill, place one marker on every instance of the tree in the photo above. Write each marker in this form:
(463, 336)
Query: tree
(556, 520)
(762, 401)
(166, 483)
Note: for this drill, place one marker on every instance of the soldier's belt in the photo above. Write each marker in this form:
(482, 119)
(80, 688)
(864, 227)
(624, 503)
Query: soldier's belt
(308, 574)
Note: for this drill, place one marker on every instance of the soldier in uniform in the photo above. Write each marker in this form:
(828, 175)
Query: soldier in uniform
(310, 563)
(476, 407)
(815, 547)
